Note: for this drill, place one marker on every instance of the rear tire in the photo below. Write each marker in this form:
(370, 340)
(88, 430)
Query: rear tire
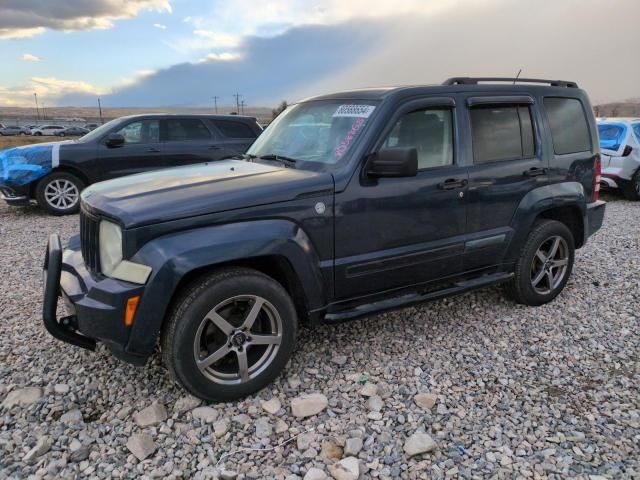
(631, 188)
(59, 193)
(229, 334)
(545, 264)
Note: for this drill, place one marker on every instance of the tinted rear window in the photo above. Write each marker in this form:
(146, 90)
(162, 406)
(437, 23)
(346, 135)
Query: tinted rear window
(184, 129)
(611, 135)
(233, 129)
(636, 131)
(569, 127)
(501, 133)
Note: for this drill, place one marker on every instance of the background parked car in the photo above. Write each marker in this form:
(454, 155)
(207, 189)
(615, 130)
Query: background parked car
(620, 150)
(14, 130)
(48, 130)
(73, 132)
(91, 126)
(55, 173)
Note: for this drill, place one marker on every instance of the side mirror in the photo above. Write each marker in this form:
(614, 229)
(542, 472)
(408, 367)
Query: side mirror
(115, 140)
(393, 162)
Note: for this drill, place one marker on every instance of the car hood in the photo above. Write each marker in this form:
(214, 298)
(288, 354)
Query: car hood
(174, 193)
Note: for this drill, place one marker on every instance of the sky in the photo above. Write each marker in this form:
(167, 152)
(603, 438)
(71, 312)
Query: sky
(184, 52)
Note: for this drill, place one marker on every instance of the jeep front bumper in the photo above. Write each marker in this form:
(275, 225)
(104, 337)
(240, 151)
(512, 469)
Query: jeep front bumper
(95, 305)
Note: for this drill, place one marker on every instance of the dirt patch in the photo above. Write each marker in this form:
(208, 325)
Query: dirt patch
(17, 141)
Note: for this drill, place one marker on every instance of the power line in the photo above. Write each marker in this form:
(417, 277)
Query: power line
(237, 95)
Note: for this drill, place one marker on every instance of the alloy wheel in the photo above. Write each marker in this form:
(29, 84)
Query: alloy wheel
(238, 339)
(549, 265)
(61, 194)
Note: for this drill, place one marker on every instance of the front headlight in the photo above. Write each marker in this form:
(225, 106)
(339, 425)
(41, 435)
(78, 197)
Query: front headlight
(110, 246)
(111, 261)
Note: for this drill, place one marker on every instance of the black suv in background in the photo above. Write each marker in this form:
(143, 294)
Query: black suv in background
(347, 205)
(55, 173)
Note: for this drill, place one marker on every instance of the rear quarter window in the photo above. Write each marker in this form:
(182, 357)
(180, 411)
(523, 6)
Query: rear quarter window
(569, 127)
(636, 131)
(233, 129)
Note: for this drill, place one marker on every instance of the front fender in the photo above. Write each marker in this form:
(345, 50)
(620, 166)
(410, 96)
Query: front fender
(176, 255)
(565, 194)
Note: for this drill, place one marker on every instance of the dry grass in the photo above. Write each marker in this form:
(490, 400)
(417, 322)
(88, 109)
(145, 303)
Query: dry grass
(8, 142)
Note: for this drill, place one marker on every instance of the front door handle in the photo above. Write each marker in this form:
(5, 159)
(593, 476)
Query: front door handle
(452, 183)
(535, 172)
(215, 147)
(153, 150)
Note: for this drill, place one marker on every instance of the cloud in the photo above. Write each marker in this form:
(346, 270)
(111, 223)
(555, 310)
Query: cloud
(49, 89)
(28, 57)
(25, 18)
(160, 26)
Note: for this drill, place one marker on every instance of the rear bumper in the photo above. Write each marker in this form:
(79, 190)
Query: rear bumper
(594, 217)
(95, 306)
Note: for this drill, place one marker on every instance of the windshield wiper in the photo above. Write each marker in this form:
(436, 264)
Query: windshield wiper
(240, 156)
(287, 161)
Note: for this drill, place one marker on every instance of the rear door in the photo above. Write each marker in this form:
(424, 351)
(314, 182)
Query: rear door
(613, 140)
(506, 162)
(188, 140)
(237, 136)
(140, 152)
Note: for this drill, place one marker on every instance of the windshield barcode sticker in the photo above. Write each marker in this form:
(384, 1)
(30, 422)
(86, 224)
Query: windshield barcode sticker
(360, 111)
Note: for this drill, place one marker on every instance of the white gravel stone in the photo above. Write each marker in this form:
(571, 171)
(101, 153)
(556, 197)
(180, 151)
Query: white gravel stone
(305, 440)
(221, 427)
(263, 427)
(308, 405)
(315, 474)
(205, 414)
(353, 446)
(419, 443)
(369, 390)
(41, 447)
(375, 403)
(186, 403)
(61, 388)
(141, 445)
(346, 469)
(271, 406)
(425, 400)
(72, 416)
(154, 414)
(23, 397)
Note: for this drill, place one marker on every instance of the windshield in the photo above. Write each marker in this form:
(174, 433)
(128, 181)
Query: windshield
(318, 132)
(100, 131)
(611, 135)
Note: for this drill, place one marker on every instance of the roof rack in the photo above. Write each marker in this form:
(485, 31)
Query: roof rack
(476, 80)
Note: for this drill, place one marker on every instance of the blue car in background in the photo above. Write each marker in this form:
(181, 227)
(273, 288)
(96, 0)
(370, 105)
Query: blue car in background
(620, 147)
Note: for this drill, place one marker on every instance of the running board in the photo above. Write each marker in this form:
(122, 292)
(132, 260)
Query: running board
(414, 298)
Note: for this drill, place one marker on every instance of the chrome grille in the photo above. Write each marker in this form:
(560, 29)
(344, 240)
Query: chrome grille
(89, 233)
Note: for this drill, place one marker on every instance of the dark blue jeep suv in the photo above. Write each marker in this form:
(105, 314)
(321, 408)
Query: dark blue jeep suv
(347, 205)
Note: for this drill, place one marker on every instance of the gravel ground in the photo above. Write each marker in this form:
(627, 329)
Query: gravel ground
(507, 391)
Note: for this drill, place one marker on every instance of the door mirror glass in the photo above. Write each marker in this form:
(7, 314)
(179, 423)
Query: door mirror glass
(393, 162)
(115, 140)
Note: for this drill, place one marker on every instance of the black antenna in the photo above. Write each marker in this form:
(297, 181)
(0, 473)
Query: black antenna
(517, 76)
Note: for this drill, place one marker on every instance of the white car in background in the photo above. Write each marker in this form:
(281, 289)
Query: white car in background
(620, 150)
(48, 130)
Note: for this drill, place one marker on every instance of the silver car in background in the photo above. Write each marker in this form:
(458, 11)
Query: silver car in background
(620, 150)
(11, 130)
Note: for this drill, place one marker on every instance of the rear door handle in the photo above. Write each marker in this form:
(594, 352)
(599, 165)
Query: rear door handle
(153, 150)
(215, 147)
(535, 172)
(452, 183)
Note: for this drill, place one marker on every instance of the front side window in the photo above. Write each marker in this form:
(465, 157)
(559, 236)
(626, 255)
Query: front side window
(322, 132)
(569, 128)
(611, 135)
(142, 131)
(501, 133)
(233, 129)
(185, 129)
(430, 132)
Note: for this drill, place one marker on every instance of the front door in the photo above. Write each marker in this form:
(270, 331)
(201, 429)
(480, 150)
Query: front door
(399, 232)
(140, 152)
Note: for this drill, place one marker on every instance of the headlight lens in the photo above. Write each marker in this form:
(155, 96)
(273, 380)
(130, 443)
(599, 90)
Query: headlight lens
(110, 246)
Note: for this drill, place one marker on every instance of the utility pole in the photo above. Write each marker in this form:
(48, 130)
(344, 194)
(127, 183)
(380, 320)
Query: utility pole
(237, 95)
(242, 104)
(100, 110)
(215, 102)
(35, 95)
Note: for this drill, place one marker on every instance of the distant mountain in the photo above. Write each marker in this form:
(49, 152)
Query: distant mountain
(630, 108)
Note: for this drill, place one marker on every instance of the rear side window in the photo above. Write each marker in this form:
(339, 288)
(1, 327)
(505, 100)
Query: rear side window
(636, 131)
(568, 122)
(611, 135)
(233, 129)
(185, 129)
(501, 133)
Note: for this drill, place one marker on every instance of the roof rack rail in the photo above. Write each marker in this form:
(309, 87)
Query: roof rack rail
(476, 80)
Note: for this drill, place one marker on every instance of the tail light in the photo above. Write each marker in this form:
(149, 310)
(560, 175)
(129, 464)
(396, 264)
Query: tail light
(627, 151)
(597, 177)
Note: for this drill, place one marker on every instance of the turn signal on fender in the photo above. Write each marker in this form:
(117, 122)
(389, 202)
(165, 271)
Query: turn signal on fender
(130, 312)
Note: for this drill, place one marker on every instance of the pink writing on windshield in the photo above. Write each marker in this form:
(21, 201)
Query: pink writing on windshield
(344, 144)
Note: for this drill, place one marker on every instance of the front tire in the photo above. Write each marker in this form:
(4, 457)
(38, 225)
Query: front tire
(545, 264)
(59, 193)
(229, 334)
(631, 188)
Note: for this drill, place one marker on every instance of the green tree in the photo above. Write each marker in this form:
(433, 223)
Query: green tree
(277, 111)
